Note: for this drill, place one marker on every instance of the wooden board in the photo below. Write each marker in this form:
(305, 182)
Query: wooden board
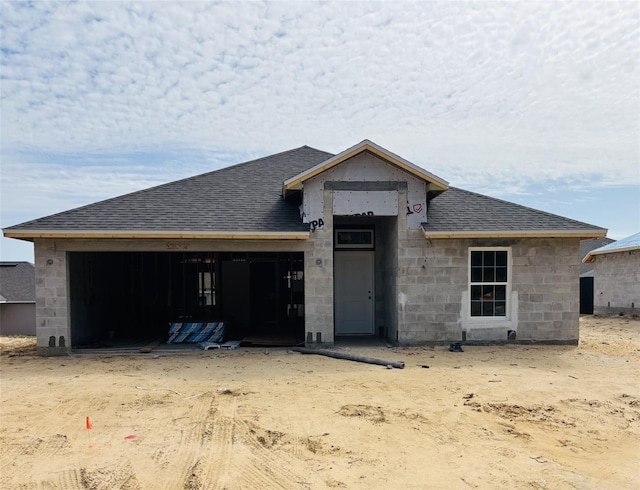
(148, 348)
(270, 341)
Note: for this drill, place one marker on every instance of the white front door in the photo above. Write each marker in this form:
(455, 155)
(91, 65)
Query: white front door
(354, 293)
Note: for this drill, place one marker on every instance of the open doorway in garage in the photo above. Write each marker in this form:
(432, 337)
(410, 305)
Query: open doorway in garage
(120, 299)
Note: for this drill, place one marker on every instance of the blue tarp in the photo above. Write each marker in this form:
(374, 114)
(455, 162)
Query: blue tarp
(195, 332)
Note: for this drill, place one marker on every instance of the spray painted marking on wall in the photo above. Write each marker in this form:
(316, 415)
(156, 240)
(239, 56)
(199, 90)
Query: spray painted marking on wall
(319, 223)
(316, 224)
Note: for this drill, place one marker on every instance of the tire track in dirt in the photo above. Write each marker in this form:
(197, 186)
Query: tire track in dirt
(296, 443)
(76, 412)
(70, 479)
(269, 464)
(218, 436)
(34, 448)
(47, 444)
(47, 447)
(239, 453)
(67, 480)
(119, 474)
(185, 453)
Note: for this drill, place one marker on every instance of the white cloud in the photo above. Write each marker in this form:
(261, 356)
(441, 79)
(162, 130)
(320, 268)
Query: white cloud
(33, 189)
(103, 75)
(491, 95)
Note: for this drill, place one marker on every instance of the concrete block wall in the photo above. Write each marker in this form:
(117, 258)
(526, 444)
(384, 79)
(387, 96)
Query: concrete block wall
(52, 307)
(430, 289)
(616, 283)
(432, 277)
(546, 274)
(433, 291)
(318, 279)
(53, 326)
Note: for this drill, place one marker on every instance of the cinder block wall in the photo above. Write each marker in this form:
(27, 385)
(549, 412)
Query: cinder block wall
(318, 279)
(546, 274)
(53, 328)
(616, 283)
(431, 286)
(433, 291)
(52, 307)
(432, 278)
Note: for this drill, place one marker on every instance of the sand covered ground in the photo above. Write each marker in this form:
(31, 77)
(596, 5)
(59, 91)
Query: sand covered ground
(490, 417)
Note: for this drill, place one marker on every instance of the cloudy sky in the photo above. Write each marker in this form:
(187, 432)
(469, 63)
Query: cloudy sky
(536, 102)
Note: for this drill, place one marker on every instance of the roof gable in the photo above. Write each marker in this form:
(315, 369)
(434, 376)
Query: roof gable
(295, 182)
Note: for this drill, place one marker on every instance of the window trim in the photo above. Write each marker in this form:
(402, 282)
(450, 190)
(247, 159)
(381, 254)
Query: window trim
(355, 246)
(507, 284)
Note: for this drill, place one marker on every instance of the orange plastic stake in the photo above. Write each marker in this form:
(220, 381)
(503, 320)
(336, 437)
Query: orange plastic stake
(89, 424)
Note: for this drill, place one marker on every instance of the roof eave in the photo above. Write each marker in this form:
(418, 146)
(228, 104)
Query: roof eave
(590, 257)
(296, 181)
(582, 234)
(166, 234)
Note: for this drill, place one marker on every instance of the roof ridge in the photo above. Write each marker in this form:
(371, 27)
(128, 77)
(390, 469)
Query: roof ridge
(311, 148)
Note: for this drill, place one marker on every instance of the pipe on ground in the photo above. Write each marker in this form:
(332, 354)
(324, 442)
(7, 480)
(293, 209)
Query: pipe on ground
(349, 357)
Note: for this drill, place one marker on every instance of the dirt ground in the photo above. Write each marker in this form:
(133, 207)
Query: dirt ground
(490, 417)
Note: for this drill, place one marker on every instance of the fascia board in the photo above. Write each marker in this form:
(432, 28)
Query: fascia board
(182, 234)
(366, 145)
(590, 257)
(515, 234)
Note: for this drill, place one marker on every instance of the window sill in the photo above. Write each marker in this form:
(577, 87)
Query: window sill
(488, 322)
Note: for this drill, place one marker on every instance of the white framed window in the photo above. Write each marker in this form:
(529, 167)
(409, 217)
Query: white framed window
(353, 238)
(489, 281)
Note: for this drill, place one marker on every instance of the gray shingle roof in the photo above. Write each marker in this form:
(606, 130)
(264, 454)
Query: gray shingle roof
(457, 210)
(243, 197)
(17, 282)
(248, 197)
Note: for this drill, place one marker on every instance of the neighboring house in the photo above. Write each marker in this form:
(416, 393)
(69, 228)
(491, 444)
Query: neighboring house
(616, 272)
(586, 273)
(312, 247)
(17, 298)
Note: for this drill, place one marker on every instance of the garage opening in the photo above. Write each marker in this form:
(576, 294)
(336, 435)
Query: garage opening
(128, 299)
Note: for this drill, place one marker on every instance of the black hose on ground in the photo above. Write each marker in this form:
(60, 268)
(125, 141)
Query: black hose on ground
(349, 357)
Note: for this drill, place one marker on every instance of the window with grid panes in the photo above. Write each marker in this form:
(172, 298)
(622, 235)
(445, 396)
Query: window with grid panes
(489, 280)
